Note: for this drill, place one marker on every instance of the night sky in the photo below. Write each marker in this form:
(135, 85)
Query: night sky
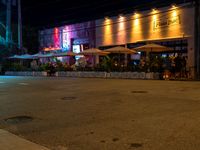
(49, 13)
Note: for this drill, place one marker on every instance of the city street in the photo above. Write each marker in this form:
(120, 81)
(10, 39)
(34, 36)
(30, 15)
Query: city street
(102, 114)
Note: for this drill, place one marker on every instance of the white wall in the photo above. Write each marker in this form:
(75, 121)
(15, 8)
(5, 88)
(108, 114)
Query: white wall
(116, 31)
(132, 28)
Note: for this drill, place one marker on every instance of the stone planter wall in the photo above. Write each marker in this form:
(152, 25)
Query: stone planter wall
(26, 73)
(82, 74)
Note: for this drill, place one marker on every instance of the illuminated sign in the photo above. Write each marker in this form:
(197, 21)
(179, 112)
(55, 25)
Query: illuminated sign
(81, 41)
(166, 22)
(66, 39)
(63, 37)
(77, 49)
(51, 49)
(56, 37)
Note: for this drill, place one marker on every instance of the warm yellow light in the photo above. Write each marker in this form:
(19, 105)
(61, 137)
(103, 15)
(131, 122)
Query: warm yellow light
(174, 14)
(136, 19)
(155, 22)
(136, 22)
(154, 14)
(121, 24)
(155, 17)
(121, 18)
(154, 11)
(107, 31)
(136, 27)
(107, 21)
(121, 31)
(174, 22)
(174, 11)
(136, 15)
(106, 18)
(174, 7)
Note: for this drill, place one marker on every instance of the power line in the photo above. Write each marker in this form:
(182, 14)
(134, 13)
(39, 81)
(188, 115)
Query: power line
(41, 3)
(89, 5)
(69, 8)
(97, 7)
(117, 22)
(126, 29)
(117, 32)
(97, 11)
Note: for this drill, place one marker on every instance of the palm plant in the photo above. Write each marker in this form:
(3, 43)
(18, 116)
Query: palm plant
(107, 63)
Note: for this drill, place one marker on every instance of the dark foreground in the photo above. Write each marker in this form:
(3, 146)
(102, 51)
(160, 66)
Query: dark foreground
(100, 114)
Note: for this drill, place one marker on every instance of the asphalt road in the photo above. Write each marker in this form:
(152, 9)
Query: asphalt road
(102, 114)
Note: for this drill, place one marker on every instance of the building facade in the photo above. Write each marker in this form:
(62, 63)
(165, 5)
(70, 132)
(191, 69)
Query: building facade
(2, 24)
(10, 24)
(76, 37)
(172, 26)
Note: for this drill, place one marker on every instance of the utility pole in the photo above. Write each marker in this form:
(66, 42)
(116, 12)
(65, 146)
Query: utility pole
(197, 40)
(8, 23)
(20, 27)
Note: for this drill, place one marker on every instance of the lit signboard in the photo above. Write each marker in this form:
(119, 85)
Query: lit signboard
(77, 49)
(166, 22)
(66, 39)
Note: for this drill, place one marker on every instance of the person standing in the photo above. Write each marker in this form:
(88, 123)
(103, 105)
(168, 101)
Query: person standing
(183, 69)
(178, 66)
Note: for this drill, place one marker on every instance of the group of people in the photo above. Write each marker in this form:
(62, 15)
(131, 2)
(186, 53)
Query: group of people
(51, 69)
(180, 67)
(176, 67)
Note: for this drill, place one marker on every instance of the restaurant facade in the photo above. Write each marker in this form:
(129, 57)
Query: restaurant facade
(76, 37)
(171, 26)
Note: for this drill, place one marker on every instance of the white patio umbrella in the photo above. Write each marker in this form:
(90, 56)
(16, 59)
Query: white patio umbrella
(152, 48)
(93, 52)
(36, 55)
(22, 57)
(121, 50)
(42, 57)
(69, 53)
(15, 57)
(25, 56)
(39, 55)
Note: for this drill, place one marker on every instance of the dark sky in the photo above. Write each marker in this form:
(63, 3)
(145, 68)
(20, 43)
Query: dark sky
(47, 13)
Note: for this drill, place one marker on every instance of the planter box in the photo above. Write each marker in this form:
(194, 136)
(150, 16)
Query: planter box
(149, 75)
(40, 74)
(115, 75)
(156, 76)
(83, 74)
(25, 73)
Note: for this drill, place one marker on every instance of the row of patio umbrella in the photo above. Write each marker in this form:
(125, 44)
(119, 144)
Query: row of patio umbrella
(39, 55)
(94, 51)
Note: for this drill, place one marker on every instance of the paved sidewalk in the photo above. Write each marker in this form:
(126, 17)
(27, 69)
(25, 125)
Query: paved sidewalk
(10, 141)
